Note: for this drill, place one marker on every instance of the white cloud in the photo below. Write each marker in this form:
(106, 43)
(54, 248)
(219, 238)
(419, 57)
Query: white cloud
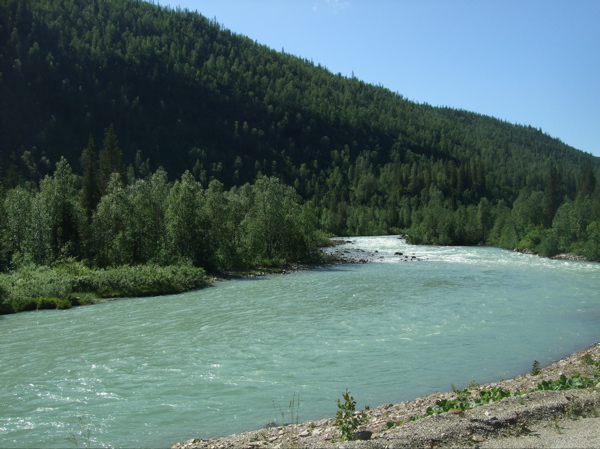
(337, 5)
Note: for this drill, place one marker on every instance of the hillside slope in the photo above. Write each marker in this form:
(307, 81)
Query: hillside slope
(180, 88)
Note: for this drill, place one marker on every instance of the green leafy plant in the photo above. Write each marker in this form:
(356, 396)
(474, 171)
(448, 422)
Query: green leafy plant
(588, 359)
(566, 383)
(465, 401)
(391, 424)
(347, 419)
(462, 394)
(443, 406)
(495, 394)
(535, 370)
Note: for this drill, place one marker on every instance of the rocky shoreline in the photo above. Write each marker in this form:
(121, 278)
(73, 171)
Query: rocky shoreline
(564, 256)
(538, 414)
(357, 255)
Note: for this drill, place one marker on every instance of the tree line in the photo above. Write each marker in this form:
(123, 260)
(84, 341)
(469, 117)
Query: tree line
(437, 202)
(109, 216)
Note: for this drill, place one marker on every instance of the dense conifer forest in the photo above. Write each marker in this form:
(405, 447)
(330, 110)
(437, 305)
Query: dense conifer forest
(134, 134)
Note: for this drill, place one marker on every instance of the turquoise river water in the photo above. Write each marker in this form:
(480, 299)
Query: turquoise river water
(150, 372)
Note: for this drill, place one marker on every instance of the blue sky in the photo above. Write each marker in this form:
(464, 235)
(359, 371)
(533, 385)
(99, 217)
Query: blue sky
(531, 62)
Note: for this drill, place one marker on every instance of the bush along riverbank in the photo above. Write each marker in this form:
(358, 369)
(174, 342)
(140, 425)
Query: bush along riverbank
(69, 284)
(477, 416)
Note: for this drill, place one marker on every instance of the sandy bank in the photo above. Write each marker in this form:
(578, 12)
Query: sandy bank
(538, 419)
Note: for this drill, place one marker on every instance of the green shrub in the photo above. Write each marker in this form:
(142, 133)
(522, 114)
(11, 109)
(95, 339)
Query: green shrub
(540, 241)
(52, 303)
(465, 401)
(4, 300)
(142, 280)
(67, 284)
(495, 394)
(444, 405)
(347, 419)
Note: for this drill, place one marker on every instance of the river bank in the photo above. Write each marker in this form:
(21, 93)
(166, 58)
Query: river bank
(535, 419)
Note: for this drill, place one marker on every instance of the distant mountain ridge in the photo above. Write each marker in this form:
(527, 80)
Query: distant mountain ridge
(182, 89)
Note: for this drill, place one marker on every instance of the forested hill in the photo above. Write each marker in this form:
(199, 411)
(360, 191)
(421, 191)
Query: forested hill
(186, 94)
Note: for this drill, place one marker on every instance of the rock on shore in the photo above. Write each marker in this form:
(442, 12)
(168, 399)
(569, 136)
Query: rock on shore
(540, 413)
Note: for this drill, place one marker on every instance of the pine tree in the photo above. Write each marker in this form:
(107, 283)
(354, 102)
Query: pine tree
(554, 192)
(110, 159)
(90, 192)
(587, 179)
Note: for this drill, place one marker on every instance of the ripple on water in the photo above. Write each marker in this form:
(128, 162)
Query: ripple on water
(153, 371)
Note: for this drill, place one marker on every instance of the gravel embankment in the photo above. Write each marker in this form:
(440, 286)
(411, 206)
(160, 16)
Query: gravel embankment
(538, 419)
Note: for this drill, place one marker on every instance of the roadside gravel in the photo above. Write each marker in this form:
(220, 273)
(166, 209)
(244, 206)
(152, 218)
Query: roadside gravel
(551, 419)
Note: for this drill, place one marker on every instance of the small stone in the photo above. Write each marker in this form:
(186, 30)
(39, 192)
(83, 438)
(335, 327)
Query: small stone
(362, 435)
(478, 439)
(306, 433)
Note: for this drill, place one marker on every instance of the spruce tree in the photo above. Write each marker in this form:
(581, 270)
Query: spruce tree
(90, 192)
(110, 159)
(587, 179)
(554, 192)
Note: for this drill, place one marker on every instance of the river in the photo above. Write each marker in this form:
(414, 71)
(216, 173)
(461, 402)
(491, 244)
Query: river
(148, 372)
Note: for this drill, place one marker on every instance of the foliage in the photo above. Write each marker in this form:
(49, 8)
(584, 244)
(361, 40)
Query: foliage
(588, 359)
(465, 401)
(71, 283)
(567, 383)
(347, 418)
(495, 394)
(142, 280)
(267, 149)
(186, 223)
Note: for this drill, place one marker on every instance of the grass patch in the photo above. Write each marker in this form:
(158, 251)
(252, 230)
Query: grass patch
(72, 284)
